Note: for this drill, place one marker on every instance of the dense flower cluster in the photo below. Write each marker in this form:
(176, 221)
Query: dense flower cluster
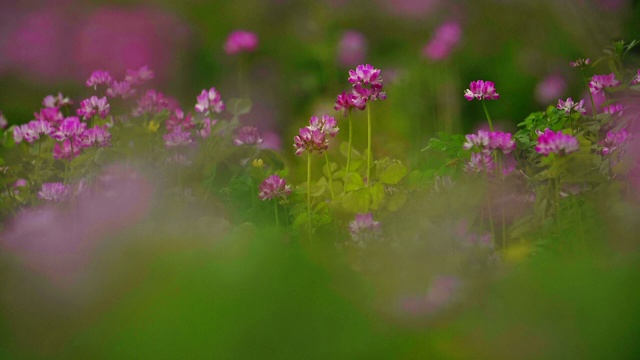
(327, 124)
(480, 162)
(568, 106)
(599, 82)
(310, 140)
(153, 102)
(367, 85)
(93, 106)
(613, 141)
(209, 101)
(177, 138)
(487, 141)
(613, 109)
(241, 41)
(53, 191)
(481, 90)
(580, 63)
(247, 135)
(346, 102)
(273, 187)
(364, 229)
(99, 77)
(557, 143)
(56, 102)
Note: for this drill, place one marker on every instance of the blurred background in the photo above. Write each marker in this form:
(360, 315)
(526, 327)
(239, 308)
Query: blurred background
(185, 283)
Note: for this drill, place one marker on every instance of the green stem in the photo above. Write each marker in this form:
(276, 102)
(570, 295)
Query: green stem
(486, 112)
(275, 207)
(38, 159)
(593, 103)
(309, 192)
(326, 158)
(369, 145)
(349, 149)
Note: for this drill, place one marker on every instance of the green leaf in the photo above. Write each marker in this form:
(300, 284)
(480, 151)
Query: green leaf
(344, 147)
(397, 200)
(239, 107)
(319, 188)
(393, 174)
(357, 201)
(353, 181)
(377, 195)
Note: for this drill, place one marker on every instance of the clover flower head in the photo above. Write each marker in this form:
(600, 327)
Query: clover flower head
(67, 150)
(273, 187)
(120, 89)
(599, 82)
(153, 102)
(569, 105)
(367, 85)
(140, 76)
(327, 124)
(209, 101)
(636, 79)
(178, 118)
(481, 90)
(613, 141)
(557, 143)
(205, 131)
(3, 121)
(345, 102)
(69, 128)
(364, 229)
(56, 191)
(51, 115)
(57, 101)
(613, 109)
(487, 141)
(98, 135)
(479, 140)
(92, 106)
(580, 63)
(31, 131)
(241, 41)
(247, 135)
(99, 77)
(177, 138)
(311, 140)
(480, 162)
(365, 74)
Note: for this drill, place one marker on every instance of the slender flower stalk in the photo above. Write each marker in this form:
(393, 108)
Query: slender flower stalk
(482, 90)
(486, 112)
(368, 146)
(309, 191)
(326, 158)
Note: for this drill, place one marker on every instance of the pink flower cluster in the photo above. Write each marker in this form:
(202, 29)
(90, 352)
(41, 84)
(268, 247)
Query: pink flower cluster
(613, 109)
(124, 88)
(92, 106)
(613, 141)
(487, 141)
(177, 138)
(367, 86)
(313, 138)
(153, 102)
(481, 90)
(53, 191)
(568, 106)
(209, 101)
(247, 135)
(241, 41)
(364, 229)
(599, 82)
(445, 39)
(557, 143)
(580, 63)
(480, 162)
(636, 79)
(3, 121)
(273, 187)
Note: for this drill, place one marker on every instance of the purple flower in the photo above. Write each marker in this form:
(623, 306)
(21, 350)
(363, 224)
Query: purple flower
(273, 187)
(580, 63)
(140, 76)
(636, 79)
(65, 150)
(311, 140)
(365, 74)
(247, 135)
(207, 123)
(209, 101)
(57, 101)
(367, 85)
(557, 143)
(53, 191)
(3, 121)
(241, 41)
(599, 82)
(345, 103)
(327, 125)
(50, 114)
(69, 128)
(153, 102)
(569, 106)
(31, 131)
(352, 48)
(613, 141)
(99, 77)
(480, 162)
(487, 141)
(613, 109)
(120, 88)
(92, 106)
(97, 135)
(481, 90)
(363, 229)
(177, 138)
(177, 118)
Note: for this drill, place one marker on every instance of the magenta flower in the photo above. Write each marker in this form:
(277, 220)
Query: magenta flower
(345, 103)
(352, 48)
(178, 118)
(140, 76)
(363, 229)
(209, 101)
(636, 79)
(580, 63)
(569, 106)
(3, 121)
(487, 141)
(327, 124)
(69, 128)
(613, 109)
(311, 140)
(177, 138)
(65, 150)
(613, 141)
(480, 162)
(241, 41)
(599, 82)
(273, 187)
(556, 143)
(92, 106)
(53, 191)
(365, 74)
(31, 131)
(98, 135)
(481, 90)
(205, 131)
(99, 77)
(367, 85)
(51, 115)
(57, 101)
(120, 89)
(153, 102)
(550, 88)
(247, 135)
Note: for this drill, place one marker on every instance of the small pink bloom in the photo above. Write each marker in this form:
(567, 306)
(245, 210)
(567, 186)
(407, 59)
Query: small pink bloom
(613, 109)
(57, 101)
(178, 118)
(311, 140)
(50, 114)
(550, 88)
(580, 63)
(99, 77)
(153, 102)
(327, 124)
(247, 135)
(557, 143)
(568, 106)
(65, 150)
(69, 128)
(241, 41)
(364, 229)
(599, 82)
(345, 102)
(444, 40)
(177, 138)
(209, 101)
(53, 191)
(207, 123)
(480, 162)
(98, 135)
(365, 74)
(94, 106)
(3, 121)
(613, 141)
(140, 76)
(481, 90)
(273, 187)
(120, 89)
